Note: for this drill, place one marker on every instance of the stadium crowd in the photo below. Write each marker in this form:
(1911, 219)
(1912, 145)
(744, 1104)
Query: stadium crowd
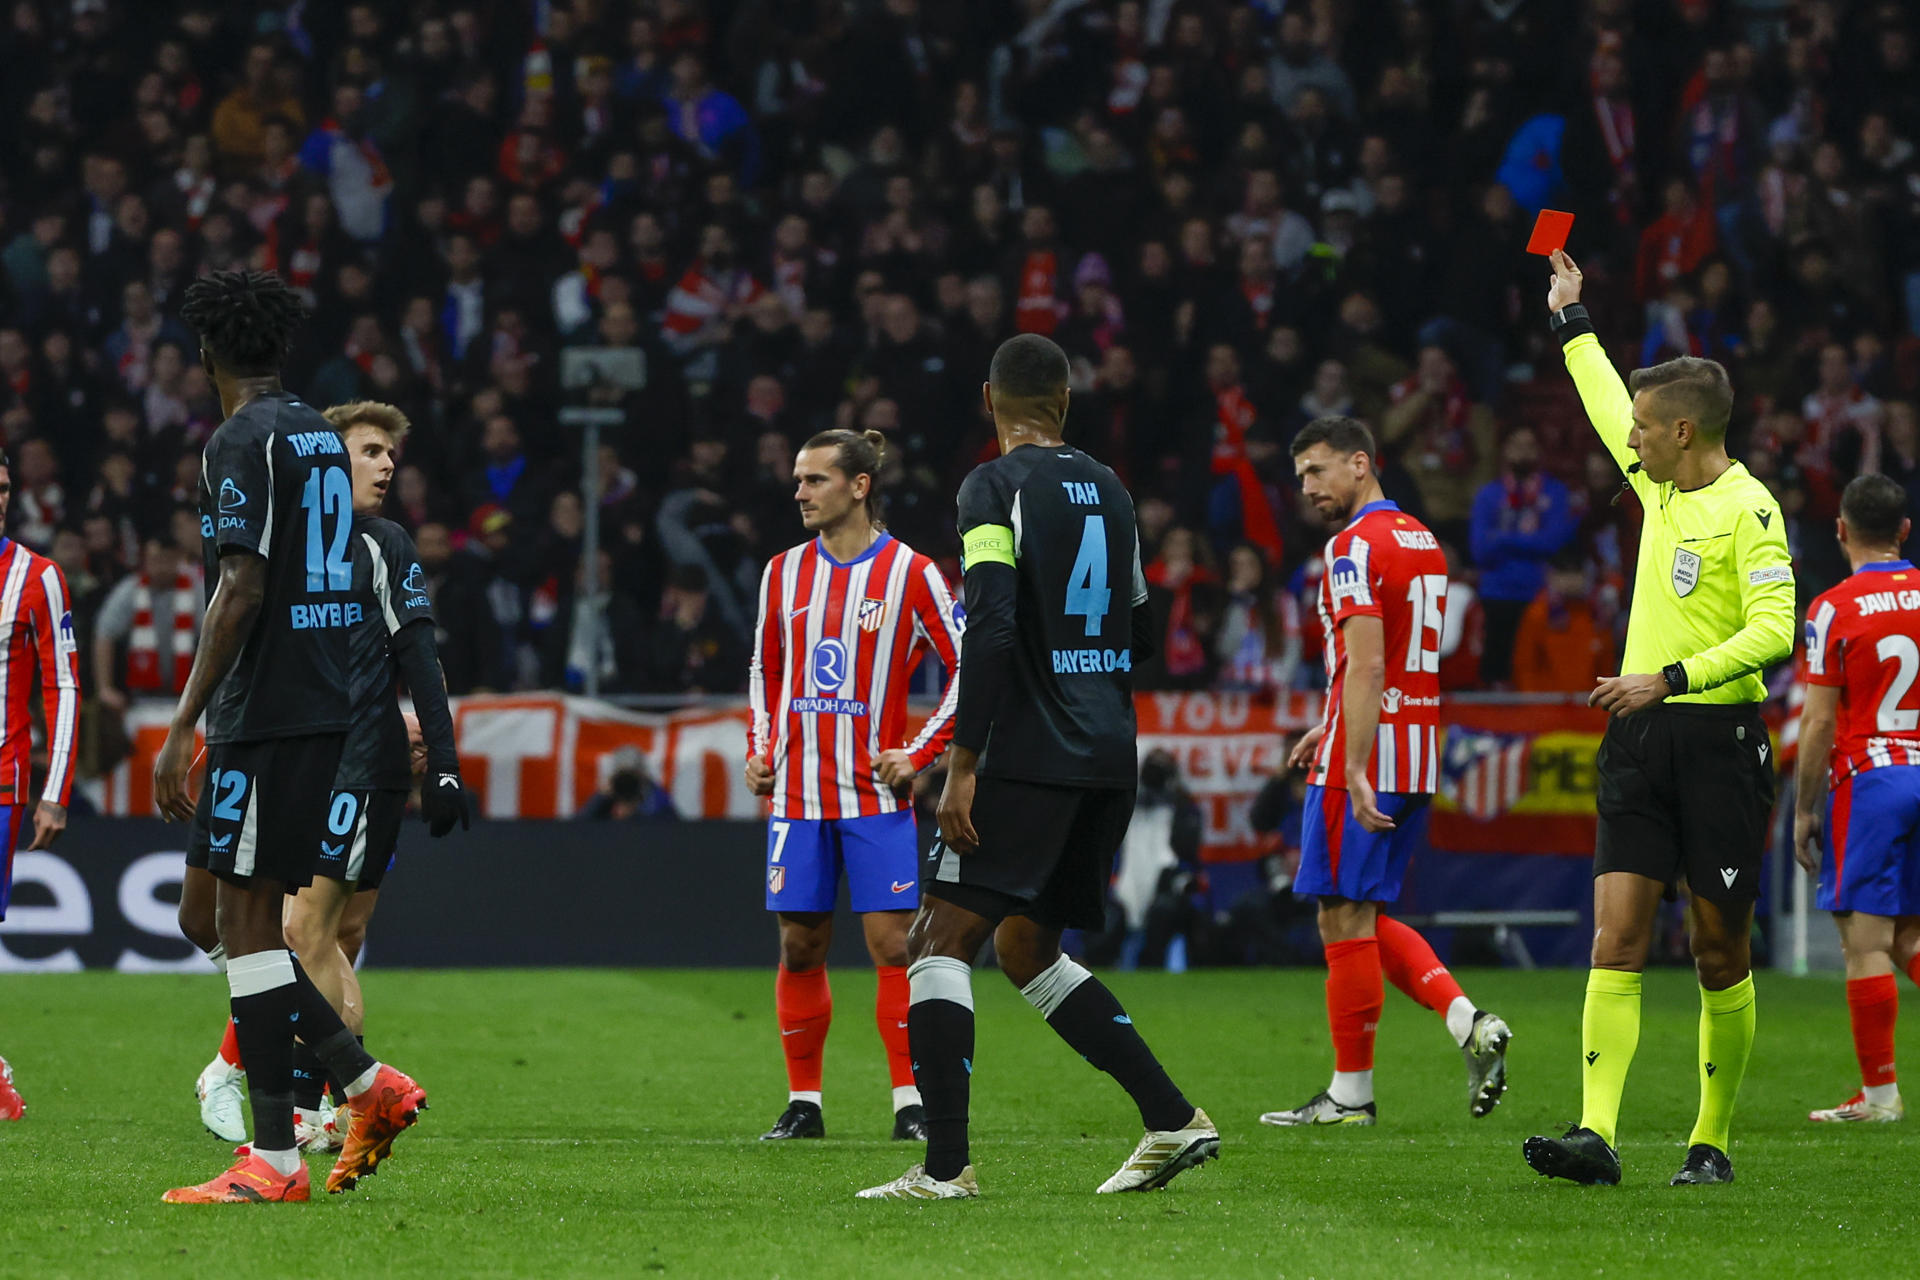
(1235, 217)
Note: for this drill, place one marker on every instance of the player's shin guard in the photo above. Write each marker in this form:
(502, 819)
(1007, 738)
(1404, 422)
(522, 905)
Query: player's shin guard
(1408, 961)
(803, 1003)
(1609, 1034)
(1355, 996)
(1873, 1006)
(265, 999)
(1079, 1007)
(321, 1028)
(940, 1029)
(890, 1006)
(1726, 1040)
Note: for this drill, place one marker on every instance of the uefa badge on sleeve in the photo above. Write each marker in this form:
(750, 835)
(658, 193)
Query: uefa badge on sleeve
(1686, 571)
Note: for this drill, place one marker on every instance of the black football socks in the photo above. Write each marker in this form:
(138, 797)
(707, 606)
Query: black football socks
(1079, 1007)
(940, 1034)
(266, 1003)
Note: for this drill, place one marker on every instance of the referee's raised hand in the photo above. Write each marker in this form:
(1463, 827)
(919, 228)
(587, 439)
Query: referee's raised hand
(1563, 287)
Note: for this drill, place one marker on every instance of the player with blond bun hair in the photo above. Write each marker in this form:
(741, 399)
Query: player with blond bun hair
(844, 619)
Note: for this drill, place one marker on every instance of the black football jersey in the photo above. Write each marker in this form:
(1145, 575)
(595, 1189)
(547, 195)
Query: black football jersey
(274, 481)
(392, 592)
(1066, 525)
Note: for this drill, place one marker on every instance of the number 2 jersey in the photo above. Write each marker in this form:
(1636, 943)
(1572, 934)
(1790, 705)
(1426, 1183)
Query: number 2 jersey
(1861, 640)
(1056, 607)
(1386, 565)
(832, 651)
(274, 481)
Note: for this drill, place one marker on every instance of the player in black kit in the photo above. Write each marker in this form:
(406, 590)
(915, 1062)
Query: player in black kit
(1040, 779)
(276, 522)
(392, 640)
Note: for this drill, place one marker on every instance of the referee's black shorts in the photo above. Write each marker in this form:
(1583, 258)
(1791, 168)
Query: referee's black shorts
(1046, 852)
(1687, 789)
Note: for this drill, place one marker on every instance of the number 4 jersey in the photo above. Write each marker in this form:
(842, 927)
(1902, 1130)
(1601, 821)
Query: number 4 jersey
(274, 481)
(1386, 565)
(1051, 699)
(1860, 640)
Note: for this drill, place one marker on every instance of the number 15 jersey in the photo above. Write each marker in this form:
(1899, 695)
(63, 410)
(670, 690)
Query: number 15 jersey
(1386, 565)
(1064, 524)
(274, 482)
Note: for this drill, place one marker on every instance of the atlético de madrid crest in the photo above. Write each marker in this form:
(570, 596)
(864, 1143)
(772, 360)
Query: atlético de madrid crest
(1686, 571)
(872, 612)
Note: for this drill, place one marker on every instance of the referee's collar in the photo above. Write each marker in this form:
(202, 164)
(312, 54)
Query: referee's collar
(1385, 504)
(1878, 566)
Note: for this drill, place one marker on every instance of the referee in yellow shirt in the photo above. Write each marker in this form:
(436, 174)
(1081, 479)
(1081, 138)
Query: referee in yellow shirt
(1685, 776)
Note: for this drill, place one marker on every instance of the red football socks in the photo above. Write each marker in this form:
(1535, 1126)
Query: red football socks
(890, 1013)
(1874, 1004)
(1913, 969)
(1409, 964)
(1355, 995)
(804, 1005)
(230, 1047)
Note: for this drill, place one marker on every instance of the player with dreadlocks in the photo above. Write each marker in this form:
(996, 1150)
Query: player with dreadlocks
(271, 676)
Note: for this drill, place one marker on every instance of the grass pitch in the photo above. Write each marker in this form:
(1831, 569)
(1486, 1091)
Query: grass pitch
(603, 1124)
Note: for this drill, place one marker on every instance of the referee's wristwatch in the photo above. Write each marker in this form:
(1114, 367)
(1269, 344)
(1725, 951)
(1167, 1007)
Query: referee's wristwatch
(1676, 678)
(1569, 322)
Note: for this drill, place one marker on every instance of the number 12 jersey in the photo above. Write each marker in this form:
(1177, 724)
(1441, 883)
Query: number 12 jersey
(1386, 565)
(274, 481)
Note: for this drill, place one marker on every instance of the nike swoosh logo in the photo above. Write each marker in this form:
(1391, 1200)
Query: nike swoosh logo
(900, 888)
(797, 1030)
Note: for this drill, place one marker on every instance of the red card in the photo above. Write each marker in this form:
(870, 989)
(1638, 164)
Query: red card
(1550, 232)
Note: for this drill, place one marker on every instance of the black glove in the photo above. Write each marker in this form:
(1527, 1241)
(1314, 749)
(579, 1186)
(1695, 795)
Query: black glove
(443, 802)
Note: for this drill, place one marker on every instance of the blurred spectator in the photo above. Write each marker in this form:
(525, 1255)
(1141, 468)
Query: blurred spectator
(1258, 644)
(1446, 439)
(147, 629)
(690, 649)
(1564, 642)
(1155, 867)
(630, 793)
(1521, 521)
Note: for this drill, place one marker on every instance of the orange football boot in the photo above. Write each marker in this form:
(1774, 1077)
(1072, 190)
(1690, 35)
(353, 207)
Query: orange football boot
(391, 1103)
(12, 1106)
(250, 1181)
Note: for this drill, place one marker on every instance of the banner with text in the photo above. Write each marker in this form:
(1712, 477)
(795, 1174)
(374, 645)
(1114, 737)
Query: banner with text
(1517, 777)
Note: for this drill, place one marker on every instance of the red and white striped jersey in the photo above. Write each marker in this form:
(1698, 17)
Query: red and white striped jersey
(832, 652)
(1386, 565)
(36, 627)
(1861, 639)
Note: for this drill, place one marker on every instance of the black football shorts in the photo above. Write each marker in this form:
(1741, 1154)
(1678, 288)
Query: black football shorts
(363, 830)
(1046, 852)
(1686, 789)
(263, 807)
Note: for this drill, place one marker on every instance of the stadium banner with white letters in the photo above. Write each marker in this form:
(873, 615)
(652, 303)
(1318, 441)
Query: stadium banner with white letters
(1517, 776)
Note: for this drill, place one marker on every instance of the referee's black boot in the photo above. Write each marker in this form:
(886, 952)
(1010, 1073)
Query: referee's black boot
(1578, 1155)
(1706, 1166)
(799, 1120)
(910, 1123)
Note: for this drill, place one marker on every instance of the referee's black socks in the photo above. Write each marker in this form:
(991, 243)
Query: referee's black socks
(940, 1035)
(1078, 1006)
